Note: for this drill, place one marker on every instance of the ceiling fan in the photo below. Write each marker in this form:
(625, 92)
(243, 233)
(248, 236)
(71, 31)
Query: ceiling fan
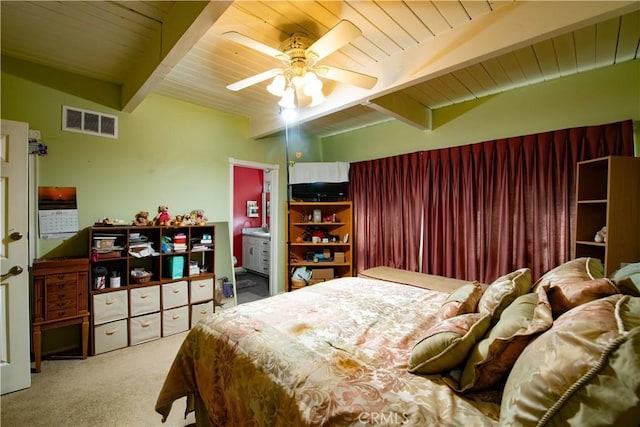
(300, 56)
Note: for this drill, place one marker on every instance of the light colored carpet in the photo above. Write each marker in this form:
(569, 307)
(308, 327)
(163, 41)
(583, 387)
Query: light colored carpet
(116, 389)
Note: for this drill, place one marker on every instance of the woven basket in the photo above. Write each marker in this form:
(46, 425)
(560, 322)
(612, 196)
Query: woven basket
(297, 284)
(137, 279)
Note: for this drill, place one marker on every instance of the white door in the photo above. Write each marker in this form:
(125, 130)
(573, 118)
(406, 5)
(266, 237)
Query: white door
(15, 361)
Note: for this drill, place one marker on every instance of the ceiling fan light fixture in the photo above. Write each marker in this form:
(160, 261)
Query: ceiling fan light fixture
(288, 99)
(277, 85)
(317, 99)
(312, 84)
(289, 114)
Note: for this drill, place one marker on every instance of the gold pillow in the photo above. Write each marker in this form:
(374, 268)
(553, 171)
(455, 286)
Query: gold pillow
(447, 343)
(492, 358)
(563, 296)
(584, 370)
(462, 300)
(503, 291)
(576, 270)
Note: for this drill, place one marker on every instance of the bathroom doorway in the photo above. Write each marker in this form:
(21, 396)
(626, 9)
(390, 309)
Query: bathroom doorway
(255, 212)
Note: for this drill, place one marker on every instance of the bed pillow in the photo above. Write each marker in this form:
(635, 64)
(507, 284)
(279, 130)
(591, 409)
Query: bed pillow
(503, 291)
(492, 358)
(462, 300)
(447, 343)
(584, 370)
(563, 296)
(627, 279)
(576, 270)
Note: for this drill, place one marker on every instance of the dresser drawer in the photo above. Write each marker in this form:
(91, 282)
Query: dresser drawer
(62, 291)
(52, 279)
(145, 328)
(61, 308)
(61, 300)
(175, 320)
(200, 311)
(201, 290)
(109, 306)
(175, 294)
(145, 300)
(110, 336)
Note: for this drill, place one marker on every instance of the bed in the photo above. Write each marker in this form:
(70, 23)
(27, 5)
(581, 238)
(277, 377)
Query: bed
(360, 351)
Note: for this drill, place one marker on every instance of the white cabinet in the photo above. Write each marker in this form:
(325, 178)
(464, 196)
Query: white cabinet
(110, 306)
(256, 253)
(145, 300)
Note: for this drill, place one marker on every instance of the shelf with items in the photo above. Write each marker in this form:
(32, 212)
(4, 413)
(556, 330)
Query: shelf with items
(607, 195)
(319, 237)
(166, 274)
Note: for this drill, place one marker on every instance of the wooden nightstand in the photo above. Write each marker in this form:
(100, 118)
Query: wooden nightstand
(60, 298)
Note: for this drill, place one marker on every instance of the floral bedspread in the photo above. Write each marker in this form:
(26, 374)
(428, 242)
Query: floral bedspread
(334, 353)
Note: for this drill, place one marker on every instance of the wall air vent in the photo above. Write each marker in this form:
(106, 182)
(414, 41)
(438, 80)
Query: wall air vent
(89, 122)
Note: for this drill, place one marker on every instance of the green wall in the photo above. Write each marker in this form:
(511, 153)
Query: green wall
(175, 153)
(600, 96)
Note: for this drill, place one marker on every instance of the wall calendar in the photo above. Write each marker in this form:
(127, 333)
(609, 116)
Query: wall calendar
(57, 212)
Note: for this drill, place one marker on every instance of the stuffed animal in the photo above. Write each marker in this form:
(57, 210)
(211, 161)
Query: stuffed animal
(601, 235)
(163, 217)
(142, 219)
(198, 217)
(178, 221)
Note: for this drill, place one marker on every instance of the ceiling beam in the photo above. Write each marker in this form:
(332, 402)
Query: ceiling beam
(184, 25)
(404, 108)
(506, 29)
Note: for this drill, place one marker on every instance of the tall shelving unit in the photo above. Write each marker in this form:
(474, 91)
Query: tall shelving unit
(608, 194)
(172, 298)
(336, 221)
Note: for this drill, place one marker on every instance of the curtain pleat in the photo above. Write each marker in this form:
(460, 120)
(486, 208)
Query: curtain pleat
(387, 208)
(488, 208)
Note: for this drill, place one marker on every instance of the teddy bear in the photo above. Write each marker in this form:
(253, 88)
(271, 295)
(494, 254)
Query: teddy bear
(198, 217)
(178, 221)
(163, 217)
(142, 219)
(601, 235)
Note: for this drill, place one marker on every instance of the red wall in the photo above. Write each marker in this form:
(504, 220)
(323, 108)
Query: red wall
(248, 184)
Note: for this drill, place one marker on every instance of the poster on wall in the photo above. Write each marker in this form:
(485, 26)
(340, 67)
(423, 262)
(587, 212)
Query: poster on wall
(57, 212)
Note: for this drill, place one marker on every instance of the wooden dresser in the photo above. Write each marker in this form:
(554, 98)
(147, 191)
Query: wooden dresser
(60, 298)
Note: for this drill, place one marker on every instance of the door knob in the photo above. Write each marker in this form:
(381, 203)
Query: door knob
(15, 236)
(13, 271)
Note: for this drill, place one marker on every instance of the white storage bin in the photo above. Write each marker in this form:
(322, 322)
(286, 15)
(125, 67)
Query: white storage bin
(110, 336)
(201, 290)
(175, 320)
(145, 328)
(145, 300)
(175, 294)
(200, 311)
(109, 306)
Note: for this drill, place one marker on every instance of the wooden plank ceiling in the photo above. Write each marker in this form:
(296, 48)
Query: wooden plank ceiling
(425, 54)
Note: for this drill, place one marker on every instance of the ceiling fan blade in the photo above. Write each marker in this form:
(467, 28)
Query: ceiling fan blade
(253, 44)
(254, 79)
(341, 34)
(345, 76)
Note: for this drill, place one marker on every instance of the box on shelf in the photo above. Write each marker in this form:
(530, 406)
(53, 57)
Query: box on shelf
(104, 242)
(338, 257)
(322, 273)
(174, 267)
(194, 268)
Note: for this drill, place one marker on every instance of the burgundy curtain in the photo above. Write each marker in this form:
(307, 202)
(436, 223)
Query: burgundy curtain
(488, 208)
(387, 208)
